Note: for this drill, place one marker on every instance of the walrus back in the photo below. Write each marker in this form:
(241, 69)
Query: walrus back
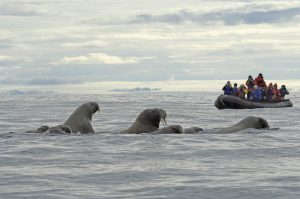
(138, 127)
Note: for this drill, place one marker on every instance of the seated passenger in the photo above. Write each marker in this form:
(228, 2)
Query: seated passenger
(283, 91)
(260, 82)
(243, 91)
(256, 94)
(227, 88)
(276, 93)
(235, 90)
(270, 92)
(264, 93)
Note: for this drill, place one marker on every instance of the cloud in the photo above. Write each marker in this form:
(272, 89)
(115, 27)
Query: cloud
(36, 81)
(86, 44)
(5, 58)
(232, 16)
(4, 43)
(99, 58)
(46, 81)
(20, 10)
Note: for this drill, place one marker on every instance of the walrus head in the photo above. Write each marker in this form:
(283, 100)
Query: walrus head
(255, 122)
(263, 123)
(147, 121)
(153, 117)
(92, 108)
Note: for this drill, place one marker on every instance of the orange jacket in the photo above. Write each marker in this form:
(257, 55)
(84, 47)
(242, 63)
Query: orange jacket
(260, 82)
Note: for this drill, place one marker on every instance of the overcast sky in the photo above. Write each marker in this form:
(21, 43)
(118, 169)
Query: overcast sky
(46, 42)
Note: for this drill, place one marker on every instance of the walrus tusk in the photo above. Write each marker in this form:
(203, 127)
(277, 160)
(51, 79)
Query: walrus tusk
(164, 122)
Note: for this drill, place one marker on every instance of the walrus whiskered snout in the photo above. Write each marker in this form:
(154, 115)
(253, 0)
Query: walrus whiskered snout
(94, 107)
(164, 122)
(264, 123)
(158, 115)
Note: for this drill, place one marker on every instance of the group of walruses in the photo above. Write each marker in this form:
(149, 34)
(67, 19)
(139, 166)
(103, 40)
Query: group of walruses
(148, 121)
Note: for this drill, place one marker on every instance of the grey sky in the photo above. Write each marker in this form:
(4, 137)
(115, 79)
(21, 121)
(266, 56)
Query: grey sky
(44, 42)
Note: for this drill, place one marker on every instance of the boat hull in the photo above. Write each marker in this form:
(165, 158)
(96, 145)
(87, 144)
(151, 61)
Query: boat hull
(232, 102)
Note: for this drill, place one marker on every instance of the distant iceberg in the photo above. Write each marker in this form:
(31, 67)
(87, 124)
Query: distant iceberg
(137, 89)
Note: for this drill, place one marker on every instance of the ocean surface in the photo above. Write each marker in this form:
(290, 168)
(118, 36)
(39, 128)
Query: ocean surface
(247, 164)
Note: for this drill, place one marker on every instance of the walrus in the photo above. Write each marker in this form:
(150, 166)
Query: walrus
(192, 130)
(246, 123)
(60, 129)
(80, 119)
(41, 129)
(172, 129)
(147, 121)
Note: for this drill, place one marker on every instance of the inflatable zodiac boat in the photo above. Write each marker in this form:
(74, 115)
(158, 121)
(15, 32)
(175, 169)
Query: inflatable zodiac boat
(232, 102)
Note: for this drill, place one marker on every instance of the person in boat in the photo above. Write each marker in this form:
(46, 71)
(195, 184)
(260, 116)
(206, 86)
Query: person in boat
(276, 93)
(264, 91)
(256, 95)
(283, 91)
(250, 85)
(243, 91)
(227, 88)
(235, 90)
(260, 82)
(270, 92)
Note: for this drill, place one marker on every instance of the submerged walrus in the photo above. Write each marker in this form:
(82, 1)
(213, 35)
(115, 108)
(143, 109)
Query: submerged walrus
(246, 123)
(192, 130)
(177, 129)
(147, 121)
(80, 120)
(172, 129)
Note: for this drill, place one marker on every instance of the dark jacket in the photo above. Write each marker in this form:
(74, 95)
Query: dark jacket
(283, 92)
(250, 84)
(227, 90)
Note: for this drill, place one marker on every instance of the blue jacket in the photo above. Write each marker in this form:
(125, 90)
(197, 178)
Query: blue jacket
(235, 91)
(227, 90)
(256, 94)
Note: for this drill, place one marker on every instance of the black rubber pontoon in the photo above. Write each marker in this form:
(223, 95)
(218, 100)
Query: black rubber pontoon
(232, 102)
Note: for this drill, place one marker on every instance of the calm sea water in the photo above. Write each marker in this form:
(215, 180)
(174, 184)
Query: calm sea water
(249, 164)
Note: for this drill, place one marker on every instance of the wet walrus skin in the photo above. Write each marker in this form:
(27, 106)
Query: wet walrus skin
(246, 123)
(80, 120)
(147, 121)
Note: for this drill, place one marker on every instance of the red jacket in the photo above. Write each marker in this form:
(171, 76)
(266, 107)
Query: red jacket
(260, 82)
